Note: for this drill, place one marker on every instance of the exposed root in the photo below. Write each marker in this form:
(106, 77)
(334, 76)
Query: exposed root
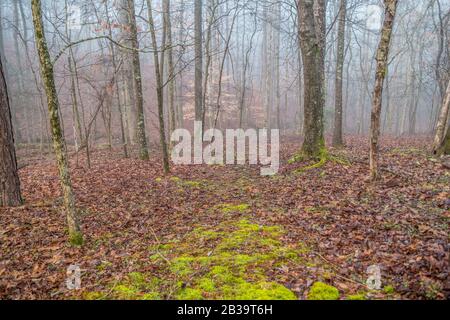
(322, 159)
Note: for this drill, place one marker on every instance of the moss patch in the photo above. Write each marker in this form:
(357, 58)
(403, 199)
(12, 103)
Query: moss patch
(321, 159)
(389, 290)
(230, 261)
(322, 291)
(195, 184)
(359, 296)
(229, 208)
(76, 239)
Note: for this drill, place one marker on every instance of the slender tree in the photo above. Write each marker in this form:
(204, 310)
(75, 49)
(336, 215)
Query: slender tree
(112, 51)
(382, 65)
(170, 65)
(125, 39)
(338, 140)
(198, 61)
(9, 179)
(46, 67)
(159, 71)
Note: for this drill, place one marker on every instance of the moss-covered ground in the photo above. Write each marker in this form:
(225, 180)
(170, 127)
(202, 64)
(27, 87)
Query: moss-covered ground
(230, 261)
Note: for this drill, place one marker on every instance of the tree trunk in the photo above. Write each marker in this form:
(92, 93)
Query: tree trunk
(139, 100)
(20, 100)
(46, 66)
(338, 140)
(179, 88)
(382, 57)
(116, 84)
(159, 71)
(198, 61)
(444, 149)
(9, 179)
(129, 99)
(171, 73)
(442, 121)
(312, 43)
(76, 113)
(277, 41)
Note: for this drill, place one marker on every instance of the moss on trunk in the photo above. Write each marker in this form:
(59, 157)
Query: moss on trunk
(46, 67)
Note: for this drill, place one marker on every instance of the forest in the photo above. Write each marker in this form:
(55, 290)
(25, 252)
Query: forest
(224, 149)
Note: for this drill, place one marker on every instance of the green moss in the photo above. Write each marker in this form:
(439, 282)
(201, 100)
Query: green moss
(222, 274)
(182, 265)
(93, 295)
(233, 287)
(125, 292)
(205, 234)
(76, 239)
(229, 261)
(229, 208)
(388, 290)
(137, 279)
(236, 267)
(150, 296)
(190, 294)
(258, 291)
(359, 296)
(444, 149)
(104, 265)
(321, 158)
(188, 183)
(207, 285)
(137, 286)
(322, 291)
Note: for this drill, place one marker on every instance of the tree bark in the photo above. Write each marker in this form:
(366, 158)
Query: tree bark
(137, 78)
(338, 140)
(382, 58)
(312, 43)
(127, 68)
(20, 98)
(277, 40)
(170, 62)
(442, 121)
(46, 66)
(198, 61)
(159, 71)
(116, 84)
(9, 179)
(444, 149)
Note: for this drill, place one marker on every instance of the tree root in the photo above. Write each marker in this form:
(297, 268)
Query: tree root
(323, 157)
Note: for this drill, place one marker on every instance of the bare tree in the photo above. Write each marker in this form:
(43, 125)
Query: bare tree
(112, 51)
(159, 71)
(382, 59)
(171, 66)
(198, 61)
(75, 235)
(338, 140)
(9, 179)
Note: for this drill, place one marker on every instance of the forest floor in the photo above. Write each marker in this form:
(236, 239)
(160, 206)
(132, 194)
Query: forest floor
(225, 232)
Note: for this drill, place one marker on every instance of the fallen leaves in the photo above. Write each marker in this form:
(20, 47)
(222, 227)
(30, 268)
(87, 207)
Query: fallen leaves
(400, 223)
